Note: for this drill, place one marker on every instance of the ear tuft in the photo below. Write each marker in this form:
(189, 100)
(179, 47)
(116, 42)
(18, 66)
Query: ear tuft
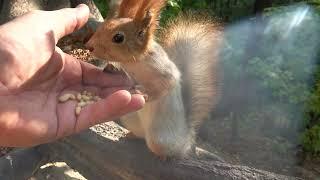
(147, 17)
(129, 8)
(114, 7)
(150, 6)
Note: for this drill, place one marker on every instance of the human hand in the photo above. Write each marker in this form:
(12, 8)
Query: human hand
(34, 72)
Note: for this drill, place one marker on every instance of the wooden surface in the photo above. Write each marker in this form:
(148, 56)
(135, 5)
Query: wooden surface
(20, 164)
(96, 157)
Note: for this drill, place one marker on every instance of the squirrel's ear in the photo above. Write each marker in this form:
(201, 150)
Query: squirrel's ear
(114, 6)
(144, 25)
(147, 17)
(153, 6)
(129, 8)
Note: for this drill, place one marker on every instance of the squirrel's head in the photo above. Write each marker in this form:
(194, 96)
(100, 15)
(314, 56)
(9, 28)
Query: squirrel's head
(127, 36)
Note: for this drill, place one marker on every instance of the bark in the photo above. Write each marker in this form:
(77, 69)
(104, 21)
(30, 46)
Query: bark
(20, 164)
(13, 8)
(10, 9)
(96, 157)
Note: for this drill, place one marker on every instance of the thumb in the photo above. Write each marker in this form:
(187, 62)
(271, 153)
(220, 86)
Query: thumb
(69, 20)
(114, 106)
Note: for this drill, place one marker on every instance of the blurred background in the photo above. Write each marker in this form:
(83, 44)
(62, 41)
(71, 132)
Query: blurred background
(269, 114)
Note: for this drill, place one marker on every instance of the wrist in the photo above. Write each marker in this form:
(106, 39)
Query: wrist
(6, 49)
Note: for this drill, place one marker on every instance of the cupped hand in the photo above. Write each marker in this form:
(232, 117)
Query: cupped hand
(34, 73)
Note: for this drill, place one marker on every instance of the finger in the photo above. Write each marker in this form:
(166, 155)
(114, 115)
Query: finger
(107, 109)
(68, 20)
(96, 77)
(136, 103)
(59, 23)
(107, 91)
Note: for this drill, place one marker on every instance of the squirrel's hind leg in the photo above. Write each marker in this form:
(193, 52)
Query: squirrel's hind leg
(173, 141)
(167, 132)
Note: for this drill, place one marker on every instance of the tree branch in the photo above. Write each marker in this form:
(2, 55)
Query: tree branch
(99, 158)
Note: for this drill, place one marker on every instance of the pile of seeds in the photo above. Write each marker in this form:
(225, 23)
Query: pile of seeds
(84, 98)
(81, 54)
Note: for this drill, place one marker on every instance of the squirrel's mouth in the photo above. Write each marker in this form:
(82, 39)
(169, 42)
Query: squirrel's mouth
(105, 57)
(111, 65)
(97, 53)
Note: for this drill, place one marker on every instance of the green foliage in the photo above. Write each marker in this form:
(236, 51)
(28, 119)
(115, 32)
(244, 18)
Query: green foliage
(102, 6)
(315, 4)
(294, 61)
(309, 89)
(285, 84)
(227, 10)
(311, 140)
(311, 136)
(275, 57)
(174, 7)
(171, 11)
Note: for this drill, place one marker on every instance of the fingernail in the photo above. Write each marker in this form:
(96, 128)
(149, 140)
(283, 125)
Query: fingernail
(81, 5)
(82, 9)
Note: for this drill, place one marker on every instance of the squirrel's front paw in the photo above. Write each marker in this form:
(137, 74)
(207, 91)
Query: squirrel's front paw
(137, 89)
(166, 149)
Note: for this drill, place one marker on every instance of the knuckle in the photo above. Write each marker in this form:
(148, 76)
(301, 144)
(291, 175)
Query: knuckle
(35, 12)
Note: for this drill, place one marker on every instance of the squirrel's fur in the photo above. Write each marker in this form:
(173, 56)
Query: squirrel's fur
(179, 71)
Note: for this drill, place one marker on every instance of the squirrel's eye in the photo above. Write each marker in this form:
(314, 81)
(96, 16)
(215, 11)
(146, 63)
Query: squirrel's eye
(118, 38)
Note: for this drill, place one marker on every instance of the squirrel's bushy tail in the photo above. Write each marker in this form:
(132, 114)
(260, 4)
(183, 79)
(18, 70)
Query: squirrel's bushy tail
(193, 43)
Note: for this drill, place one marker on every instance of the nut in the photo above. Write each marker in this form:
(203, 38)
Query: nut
(90, 102)
(79, 96)
(81, 103)
(83, 99)
(66, 97)
(96, 98)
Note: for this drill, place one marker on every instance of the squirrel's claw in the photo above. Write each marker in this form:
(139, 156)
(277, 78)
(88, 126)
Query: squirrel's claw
(138, 89)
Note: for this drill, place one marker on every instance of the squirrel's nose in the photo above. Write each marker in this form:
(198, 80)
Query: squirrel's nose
(89, 47)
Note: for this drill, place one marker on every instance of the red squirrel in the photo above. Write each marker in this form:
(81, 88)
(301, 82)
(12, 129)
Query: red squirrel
(177, 68)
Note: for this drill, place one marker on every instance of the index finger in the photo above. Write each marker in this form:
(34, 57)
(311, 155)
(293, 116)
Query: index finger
(68, 20)
(93, 76)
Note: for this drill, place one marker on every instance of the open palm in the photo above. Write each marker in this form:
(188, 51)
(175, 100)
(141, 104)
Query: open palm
(34, 73)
